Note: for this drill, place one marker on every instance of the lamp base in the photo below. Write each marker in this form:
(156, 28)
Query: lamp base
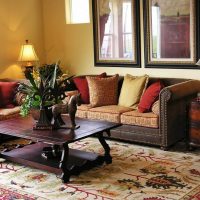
(28, 69)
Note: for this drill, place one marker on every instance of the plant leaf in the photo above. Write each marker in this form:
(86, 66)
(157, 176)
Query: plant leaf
(54, 75)
(29, 76)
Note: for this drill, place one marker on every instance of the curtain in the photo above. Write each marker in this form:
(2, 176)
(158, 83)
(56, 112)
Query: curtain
(103, 21)
(104, 12)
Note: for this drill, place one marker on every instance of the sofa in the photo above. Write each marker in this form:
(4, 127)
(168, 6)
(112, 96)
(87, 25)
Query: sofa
(10, 101)
(162, 128)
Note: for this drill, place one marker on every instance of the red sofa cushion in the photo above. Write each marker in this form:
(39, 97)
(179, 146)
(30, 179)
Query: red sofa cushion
(150, 96)
(7, 93)
(82, 86)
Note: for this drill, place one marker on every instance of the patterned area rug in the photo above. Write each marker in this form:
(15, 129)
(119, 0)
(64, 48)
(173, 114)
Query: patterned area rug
(7, 193)
(137, 172)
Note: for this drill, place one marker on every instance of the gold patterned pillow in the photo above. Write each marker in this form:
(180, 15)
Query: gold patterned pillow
(103, 91)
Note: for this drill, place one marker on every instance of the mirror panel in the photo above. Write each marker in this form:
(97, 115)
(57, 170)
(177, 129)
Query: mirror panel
(116, 32)
(170, 32)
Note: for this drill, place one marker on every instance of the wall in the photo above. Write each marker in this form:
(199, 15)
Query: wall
(73, 45)
(19, 20)
(55, 32)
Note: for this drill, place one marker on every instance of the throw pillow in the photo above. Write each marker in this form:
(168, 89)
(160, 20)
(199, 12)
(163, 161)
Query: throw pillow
(150, 96)
(155, 108)
(103, 91)
(7, 93)
(132, 90)
(19, 98)
(82, 86)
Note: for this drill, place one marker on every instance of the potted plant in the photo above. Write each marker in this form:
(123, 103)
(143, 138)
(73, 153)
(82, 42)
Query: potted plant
(45, 88)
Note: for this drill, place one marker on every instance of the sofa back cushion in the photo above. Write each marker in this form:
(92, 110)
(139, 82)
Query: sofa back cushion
(82, 86)
(7, 93)
(132, 89)
(103, 91)
(150, 96)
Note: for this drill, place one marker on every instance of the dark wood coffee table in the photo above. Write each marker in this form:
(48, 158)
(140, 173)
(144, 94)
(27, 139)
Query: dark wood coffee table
(71, 161)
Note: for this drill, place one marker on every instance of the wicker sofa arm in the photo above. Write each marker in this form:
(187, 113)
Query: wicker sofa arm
(173, 110)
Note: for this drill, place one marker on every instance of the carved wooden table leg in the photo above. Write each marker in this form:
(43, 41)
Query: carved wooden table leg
(63, 163)
(107, 156)
(108, 133)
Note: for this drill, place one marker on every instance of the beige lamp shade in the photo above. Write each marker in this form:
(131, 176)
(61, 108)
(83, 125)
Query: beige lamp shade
(27, 53)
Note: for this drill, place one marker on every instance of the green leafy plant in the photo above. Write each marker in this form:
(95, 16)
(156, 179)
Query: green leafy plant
(45, 88)
(28, 104)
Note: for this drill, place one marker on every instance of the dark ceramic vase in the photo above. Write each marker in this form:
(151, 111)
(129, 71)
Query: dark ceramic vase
(35, 113)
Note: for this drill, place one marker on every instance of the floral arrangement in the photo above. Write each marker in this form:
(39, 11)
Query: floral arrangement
(45, 87)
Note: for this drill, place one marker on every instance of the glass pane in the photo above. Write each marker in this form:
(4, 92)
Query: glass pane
(127, 17)
(116, 29)
(127, 41)
(171, 29)
(106, 48)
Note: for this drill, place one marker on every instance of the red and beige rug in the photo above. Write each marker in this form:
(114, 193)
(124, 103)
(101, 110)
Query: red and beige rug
(137, 173)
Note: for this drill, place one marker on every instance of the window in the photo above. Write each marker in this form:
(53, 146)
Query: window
(77, 11)
(156, 51)
(127, 31)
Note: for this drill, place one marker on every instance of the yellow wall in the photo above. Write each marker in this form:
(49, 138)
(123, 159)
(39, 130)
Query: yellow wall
(43, 23)
(73, 44)
(19, 20)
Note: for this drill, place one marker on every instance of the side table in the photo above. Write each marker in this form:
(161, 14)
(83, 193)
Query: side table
(194, 123)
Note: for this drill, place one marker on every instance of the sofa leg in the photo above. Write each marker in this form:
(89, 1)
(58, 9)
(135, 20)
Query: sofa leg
(191, 148)
(164, 148)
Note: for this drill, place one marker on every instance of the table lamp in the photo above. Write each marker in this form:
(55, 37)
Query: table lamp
(28, 56)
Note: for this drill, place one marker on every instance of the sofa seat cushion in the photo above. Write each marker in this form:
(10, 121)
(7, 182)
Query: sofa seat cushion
(82, 110)
(6, 113)
(140, 119)
(109, 113)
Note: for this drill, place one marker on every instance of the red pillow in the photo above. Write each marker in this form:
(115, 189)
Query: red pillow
(150, 96)
(82, 86)
(7, 93)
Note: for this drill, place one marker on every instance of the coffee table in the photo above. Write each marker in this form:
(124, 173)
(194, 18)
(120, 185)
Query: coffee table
(71, 161)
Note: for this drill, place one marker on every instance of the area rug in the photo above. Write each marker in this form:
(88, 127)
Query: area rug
(7, 193)
(136, 173)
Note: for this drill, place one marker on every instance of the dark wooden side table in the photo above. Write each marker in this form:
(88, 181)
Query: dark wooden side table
(194, 123)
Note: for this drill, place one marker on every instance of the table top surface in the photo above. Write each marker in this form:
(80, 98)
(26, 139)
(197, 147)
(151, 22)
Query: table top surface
(23, 128)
